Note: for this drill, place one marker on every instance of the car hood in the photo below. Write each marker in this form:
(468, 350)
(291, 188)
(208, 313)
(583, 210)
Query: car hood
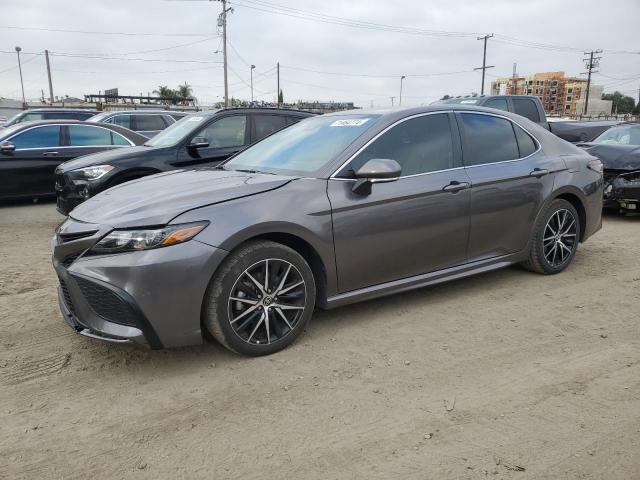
(157, 199)
(615, 157)
(107, 157)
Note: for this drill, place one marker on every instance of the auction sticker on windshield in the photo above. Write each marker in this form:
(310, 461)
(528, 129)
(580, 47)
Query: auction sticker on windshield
(195, 119)
(355, 122)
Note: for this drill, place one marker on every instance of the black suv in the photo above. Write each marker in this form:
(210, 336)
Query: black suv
(199, 139)
(50, 114)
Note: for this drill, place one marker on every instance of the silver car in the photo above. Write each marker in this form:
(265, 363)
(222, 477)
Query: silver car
(335, 209)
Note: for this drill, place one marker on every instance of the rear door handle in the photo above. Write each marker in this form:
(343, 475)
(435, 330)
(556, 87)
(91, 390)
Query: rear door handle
(456, 186)
(50, 154)
(539, 172)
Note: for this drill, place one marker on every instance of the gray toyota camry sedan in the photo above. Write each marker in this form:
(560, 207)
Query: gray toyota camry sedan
(335, 209)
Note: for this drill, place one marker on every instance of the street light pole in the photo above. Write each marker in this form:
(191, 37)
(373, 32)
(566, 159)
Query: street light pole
(252, 67)
(400, 99)
(24, 102)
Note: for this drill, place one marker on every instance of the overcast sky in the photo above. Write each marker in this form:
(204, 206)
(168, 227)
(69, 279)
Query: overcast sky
(261, 36)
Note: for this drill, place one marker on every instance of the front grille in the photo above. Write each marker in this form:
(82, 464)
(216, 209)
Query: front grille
(66, 263)
(67, 237)
(106, 303)
(67, 296)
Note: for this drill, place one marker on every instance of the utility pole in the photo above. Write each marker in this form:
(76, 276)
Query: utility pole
(46, 56)
(484, 61)
(278, 92)
(24, 102)
(392, 99)
(514, 80)
(591, 63)
(252, 67)
(222, 22)
(400, 99)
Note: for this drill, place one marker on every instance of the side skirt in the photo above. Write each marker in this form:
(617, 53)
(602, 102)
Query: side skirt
(424, 280)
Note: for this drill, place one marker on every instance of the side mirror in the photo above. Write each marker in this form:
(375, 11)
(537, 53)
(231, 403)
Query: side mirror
(198, 142)
(7, 147)
(376, 170)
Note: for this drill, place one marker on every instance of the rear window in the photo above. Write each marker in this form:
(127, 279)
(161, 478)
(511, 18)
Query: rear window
(146, 123)
(527, 108)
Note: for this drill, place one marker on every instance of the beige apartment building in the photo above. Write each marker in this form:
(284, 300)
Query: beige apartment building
(559, 94)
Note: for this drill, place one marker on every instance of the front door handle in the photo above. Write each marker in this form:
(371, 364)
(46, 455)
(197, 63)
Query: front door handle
(456, 186)
(50, 154)
(539, 172)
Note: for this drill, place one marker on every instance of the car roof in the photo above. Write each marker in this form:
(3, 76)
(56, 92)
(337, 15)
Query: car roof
(116, 128)
(165, 112)
(55, 110)
(288, 111)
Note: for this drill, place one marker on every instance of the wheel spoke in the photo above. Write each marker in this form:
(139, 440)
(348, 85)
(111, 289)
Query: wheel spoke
(284, 279)
(246, 312)
(288, 307)
(282, 292)
(568, 229)
(266, 322)
(256, 282)
(243, 300)
(256, 327)
(284, 317)
(266, 275)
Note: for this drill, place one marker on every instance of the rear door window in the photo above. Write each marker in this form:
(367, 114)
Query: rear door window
(149, 123)
(121, 120)
(488, 139)
(87, 136)
(265, 125)
(38, 137)
(527, 108)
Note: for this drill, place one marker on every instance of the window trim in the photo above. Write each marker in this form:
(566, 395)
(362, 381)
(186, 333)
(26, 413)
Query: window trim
(454, 130)
(61, 125)
(464, 140)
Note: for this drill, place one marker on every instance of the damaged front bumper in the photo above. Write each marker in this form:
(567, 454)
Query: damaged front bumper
(622, 190)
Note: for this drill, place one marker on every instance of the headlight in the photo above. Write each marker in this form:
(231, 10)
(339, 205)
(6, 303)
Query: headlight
(132, 240)
(92, 173)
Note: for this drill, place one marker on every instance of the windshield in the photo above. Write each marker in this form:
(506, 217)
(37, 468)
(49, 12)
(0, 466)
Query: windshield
(7, 132)
(176, 132)
(15, 119)
(99, 117)
(304, 147)
(626, 135)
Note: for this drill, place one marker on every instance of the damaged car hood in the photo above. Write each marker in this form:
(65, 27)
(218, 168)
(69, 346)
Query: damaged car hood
(615, 157)
(157, 199)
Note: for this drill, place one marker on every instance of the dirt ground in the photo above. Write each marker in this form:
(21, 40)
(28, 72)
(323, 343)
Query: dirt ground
(505, 375)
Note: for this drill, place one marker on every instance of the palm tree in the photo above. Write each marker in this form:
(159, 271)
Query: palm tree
(168, 94)
(184, 91)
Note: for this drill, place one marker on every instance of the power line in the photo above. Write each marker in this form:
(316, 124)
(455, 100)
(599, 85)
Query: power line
(343, 74)
(104, 57)
(130, 34)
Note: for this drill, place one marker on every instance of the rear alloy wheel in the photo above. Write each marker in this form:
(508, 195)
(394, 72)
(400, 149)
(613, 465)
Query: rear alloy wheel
(261, 299)
(556, 239)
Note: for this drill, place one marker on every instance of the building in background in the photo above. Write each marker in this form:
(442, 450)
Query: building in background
(559, 94)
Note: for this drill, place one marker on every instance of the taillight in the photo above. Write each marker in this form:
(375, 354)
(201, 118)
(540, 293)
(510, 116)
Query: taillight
(595, 165)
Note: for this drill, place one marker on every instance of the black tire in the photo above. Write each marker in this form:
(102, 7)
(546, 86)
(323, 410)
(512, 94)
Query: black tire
(541, 259)
(222, 315)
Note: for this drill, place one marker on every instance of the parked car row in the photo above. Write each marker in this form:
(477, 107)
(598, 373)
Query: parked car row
(32, 153)
(331, 210)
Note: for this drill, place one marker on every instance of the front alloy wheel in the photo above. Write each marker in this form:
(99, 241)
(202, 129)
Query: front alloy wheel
(267, 301)
(260, 299)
